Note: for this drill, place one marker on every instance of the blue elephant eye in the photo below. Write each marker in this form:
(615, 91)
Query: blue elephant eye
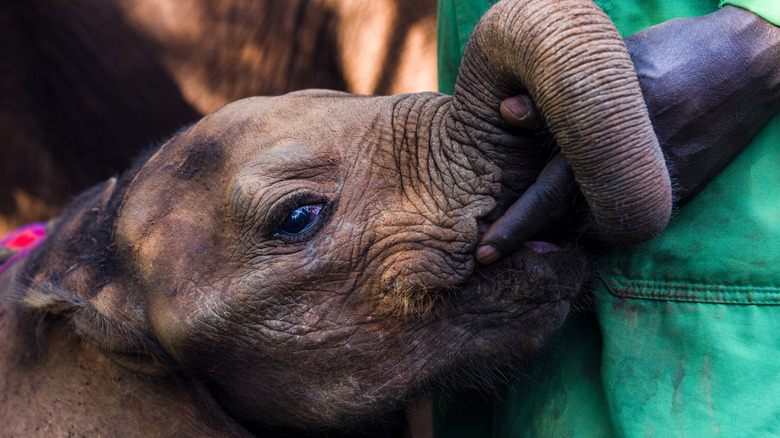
(300, 219)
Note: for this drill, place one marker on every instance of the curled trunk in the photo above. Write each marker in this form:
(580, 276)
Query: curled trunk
(570, 58)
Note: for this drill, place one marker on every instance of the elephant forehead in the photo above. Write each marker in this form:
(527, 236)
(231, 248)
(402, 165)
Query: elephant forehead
(267, 132)
(301, 115)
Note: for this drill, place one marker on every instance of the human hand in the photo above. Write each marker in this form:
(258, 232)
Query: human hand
(710, 84)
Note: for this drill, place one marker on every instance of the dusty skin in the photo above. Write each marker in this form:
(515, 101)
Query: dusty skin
(178, 281)
(304, 264)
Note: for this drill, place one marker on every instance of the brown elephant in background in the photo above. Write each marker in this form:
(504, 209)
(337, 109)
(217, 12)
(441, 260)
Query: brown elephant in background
(87, 85)
(304, 264)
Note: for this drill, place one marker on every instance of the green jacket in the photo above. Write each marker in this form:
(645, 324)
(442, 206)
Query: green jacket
(685, 338)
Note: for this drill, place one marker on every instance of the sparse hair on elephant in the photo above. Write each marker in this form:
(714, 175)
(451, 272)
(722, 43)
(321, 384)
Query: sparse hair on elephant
(304, 263)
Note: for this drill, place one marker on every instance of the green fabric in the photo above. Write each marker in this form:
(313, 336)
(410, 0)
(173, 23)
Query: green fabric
(769, 10)
(685, 337)
(456, 19)
(632, 16)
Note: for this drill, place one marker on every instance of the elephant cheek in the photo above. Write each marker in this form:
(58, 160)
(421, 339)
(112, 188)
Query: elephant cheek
(178, 262)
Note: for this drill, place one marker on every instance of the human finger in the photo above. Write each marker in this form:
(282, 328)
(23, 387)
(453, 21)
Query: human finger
(520, 112)
(547, 201)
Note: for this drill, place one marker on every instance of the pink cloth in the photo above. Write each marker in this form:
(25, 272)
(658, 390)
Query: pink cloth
(22, 241)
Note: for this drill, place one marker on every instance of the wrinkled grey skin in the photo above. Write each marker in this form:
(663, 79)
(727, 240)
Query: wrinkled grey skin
(185, 277)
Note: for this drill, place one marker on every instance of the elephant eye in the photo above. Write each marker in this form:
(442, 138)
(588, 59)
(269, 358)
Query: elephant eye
(300, 220)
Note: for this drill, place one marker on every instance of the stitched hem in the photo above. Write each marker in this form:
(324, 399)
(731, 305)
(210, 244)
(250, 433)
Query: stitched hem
(623, 287)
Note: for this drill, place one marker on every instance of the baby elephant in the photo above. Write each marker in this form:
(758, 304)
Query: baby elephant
(304, 263)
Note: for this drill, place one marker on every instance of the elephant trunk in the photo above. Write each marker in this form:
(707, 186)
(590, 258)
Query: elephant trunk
(570, 58)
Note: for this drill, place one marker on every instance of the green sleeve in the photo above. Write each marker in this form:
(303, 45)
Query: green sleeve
(769, 10)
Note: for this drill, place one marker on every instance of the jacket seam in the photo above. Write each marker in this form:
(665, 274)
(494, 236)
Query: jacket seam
(694, 292)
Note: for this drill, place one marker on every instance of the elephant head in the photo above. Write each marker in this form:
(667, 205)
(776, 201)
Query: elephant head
(308, 259)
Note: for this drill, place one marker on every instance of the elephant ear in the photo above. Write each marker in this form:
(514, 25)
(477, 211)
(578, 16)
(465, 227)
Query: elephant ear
(77, 276)
(571, 59)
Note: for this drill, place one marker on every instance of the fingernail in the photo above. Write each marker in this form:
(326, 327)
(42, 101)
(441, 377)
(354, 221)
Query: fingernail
(487, 254)
(519, 107)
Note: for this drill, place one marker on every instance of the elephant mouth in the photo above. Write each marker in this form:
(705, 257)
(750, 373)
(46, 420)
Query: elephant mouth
(542, 247)
(540, 272)
(502, 315)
